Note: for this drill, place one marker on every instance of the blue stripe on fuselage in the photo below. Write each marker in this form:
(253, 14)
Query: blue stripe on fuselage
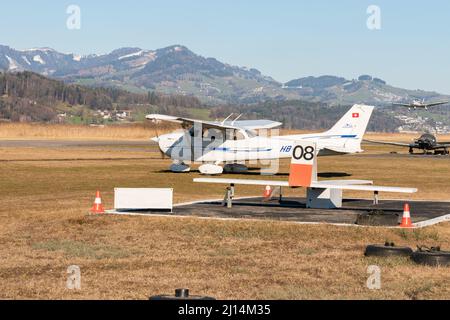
(344, 136)
(349, 136)
(245, 150)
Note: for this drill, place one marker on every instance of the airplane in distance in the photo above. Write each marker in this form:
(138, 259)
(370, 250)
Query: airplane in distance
(418, 104)
(427, 143)
(224, 146)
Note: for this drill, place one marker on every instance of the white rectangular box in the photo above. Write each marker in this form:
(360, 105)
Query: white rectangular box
(143, 199)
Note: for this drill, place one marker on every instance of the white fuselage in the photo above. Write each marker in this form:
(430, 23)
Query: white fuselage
(179, 146)
(215, 144)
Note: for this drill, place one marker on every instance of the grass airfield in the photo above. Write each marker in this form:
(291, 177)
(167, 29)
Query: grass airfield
(46, 190)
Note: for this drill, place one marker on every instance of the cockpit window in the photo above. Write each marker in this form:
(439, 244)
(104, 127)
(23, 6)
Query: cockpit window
(217, 134)
(239, 135)
(236, 135)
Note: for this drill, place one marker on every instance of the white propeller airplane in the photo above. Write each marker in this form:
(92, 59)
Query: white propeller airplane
(303, 174)
(417, 104)
(231, 143)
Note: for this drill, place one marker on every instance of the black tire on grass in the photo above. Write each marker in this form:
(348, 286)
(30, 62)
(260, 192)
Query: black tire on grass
(432, 258)
(388, 250)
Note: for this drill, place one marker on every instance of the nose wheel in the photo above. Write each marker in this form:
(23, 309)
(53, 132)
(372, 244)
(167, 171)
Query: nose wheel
(210, 169)
(179, 167)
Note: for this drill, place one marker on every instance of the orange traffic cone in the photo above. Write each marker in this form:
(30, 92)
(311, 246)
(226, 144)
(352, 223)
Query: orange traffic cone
(97, 208)
(406, 220)
(267, 192)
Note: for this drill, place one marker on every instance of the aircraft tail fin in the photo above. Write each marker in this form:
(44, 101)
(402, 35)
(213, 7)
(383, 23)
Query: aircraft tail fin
(354, 122)
(352, 126)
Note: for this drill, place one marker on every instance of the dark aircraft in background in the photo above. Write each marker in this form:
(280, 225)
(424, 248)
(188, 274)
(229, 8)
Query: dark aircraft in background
(417, 104)
(427, 143)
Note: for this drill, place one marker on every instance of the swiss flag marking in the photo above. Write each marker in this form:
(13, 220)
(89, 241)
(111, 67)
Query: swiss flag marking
(355, 115)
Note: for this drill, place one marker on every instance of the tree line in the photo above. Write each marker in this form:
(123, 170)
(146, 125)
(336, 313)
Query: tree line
(26, 96)
(32, 97)
(299, 114)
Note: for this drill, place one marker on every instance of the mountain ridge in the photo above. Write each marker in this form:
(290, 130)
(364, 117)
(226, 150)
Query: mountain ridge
(177, 70)
(31, 97)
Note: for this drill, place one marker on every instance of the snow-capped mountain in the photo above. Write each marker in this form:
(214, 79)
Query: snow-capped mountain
(178, 70)
(174, 69)
(41, 60)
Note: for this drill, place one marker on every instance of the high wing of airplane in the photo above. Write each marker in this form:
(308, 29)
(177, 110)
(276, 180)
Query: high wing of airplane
(426, 142)
(215, 144)
(427, 105)
(232, 125)
(303, 174)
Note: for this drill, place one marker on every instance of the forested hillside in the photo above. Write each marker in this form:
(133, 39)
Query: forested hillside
(28, 96)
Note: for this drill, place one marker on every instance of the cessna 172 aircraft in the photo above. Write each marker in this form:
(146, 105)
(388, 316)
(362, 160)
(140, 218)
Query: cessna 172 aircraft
(415, 104)
(230, 143)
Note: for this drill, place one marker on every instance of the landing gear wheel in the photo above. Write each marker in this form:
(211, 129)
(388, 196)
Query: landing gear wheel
(235, 168)
(388, 250)
(179, 168)
(431, 257)
(210, 169)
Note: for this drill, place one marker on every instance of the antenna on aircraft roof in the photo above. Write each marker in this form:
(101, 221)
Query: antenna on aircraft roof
(238, 117)
(227, 118)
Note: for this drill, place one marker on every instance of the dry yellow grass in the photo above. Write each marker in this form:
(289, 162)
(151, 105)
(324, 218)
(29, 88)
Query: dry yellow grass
(45, 229)
(27, 131)
(400, 137)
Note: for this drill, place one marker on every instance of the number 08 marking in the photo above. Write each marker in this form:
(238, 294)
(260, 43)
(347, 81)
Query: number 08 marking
(300, 153)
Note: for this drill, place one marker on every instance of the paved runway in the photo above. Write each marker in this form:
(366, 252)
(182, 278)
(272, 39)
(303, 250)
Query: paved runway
(294, 209)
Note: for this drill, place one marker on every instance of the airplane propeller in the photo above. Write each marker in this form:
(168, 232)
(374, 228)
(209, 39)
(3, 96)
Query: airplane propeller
(163, 155)
(157, 139)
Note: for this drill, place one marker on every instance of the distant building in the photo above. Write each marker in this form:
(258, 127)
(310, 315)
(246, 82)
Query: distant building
(123, 115)
(61, 118)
